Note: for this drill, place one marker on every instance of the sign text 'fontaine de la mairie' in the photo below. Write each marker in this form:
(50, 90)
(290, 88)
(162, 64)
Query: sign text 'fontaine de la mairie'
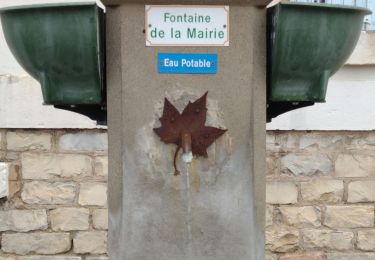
(184, 25)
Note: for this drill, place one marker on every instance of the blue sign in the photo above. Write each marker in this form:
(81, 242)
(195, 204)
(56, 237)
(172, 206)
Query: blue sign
(187, 63)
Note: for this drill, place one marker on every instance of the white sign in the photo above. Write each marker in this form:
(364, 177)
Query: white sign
(187, 25)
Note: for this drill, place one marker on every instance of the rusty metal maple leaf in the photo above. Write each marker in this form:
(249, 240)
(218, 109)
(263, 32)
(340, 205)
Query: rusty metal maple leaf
(187, 130)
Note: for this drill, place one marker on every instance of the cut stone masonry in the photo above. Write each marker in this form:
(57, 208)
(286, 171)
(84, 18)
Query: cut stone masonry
(320, 195)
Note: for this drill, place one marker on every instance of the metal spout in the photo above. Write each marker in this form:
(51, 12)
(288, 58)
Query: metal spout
(187, 155)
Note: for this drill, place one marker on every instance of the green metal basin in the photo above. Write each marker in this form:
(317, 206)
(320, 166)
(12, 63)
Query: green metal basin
(308, 43)
(62, 47)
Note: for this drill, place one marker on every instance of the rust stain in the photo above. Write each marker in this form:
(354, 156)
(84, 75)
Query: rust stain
(187, 130)
(175, 182)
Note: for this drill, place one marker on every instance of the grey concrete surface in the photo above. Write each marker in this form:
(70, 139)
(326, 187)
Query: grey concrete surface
(218, 213)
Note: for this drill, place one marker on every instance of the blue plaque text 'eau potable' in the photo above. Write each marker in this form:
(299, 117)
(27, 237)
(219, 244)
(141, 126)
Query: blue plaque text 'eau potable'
(187, 63)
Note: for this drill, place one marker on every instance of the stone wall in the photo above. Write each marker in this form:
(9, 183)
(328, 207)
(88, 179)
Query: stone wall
(320, 195)
(57, 203)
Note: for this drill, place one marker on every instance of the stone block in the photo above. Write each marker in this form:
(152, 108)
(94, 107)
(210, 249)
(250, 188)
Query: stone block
(288, 140)
(271, 144)
(40, 192)
(354, 165)
(11, 156)
(349, 216)
(93, 242)
(100, 218)
(361, 191)
(68, 219)
(301, 216)
(322, 190)
(14, 172)
(49, 166)
(26, 141)
(281, 141)
(327, 239)
(306, 165)
(93, 193)
(304, 256)
(97, 258)
(269, 215)
(271, 165)
(47, 257)
(351, 256)
(281, 192)
(366, 240)
(23, 220)
(14, 187)
(281, 239)
(271, 256)
(39, 243)
(362, 141)
(101, 166)
(322, 140)
(83, 142)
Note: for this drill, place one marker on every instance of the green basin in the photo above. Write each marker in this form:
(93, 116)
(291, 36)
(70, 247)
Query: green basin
(307, 44)
(62, 47)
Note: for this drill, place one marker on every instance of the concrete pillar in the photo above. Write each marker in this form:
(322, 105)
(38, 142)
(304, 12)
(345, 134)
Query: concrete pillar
(154, 214)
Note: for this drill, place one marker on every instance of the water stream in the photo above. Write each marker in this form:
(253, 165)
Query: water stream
(186, 198)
